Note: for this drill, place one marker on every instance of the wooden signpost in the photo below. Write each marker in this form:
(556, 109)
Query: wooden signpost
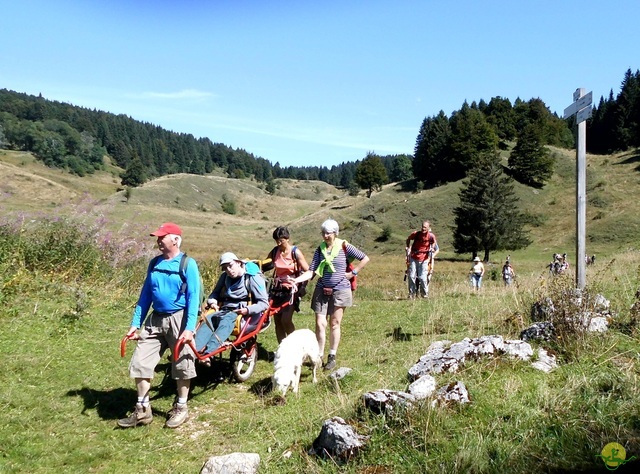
(581, 107)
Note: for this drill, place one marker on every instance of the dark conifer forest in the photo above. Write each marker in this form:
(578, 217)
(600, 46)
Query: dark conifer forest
(77, 139)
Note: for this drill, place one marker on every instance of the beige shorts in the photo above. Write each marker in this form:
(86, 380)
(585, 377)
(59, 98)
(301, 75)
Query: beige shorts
(325, 304)
(159, 334)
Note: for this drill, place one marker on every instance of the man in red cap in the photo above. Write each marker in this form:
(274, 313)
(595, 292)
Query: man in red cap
(173, 293)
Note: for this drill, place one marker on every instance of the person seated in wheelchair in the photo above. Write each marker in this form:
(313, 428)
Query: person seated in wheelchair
(240, 290)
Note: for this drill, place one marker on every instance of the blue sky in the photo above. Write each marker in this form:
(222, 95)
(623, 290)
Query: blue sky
(312, 83)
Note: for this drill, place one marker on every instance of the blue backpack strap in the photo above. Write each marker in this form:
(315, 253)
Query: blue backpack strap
(154, 262)
(183, 272)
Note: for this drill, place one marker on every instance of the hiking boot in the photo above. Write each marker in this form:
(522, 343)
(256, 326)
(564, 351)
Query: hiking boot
(177, 415)
(331, 362)
(140, 416)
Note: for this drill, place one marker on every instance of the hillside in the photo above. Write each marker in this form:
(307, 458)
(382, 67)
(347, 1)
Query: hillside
(613, 220)
(67, 384)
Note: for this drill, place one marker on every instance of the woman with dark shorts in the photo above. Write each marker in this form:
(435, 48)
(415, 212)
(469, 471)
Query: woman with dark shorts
(288, 261)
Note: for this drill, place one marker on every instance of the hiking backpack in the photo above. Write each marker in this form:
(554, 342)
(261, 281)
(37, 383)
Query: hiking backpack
(182, 271)
(302, 287)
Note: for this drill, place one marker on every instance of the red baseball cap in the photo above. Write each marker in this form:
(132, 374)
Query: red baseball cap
(167, 228)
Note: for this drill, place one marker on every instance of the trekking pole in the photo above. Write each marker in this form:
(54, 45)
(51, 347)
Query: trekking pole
(406, 260)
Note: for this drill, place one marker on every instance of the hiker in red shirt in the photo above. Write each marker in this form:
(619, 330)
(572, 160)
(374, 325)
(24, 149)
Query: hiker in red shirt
(421, 255)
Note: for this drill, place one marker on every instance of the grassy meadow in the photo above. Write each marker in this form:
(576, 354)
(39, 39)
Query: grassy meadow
(68, 288)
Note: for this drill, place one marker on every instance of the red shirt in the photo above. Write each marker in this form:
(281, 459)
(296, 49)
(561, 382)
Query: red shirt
(422, 243)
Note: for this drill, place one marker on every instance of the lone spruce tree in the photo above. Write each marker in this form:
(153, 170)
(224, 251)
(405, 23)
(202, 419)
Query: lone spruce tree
(488, 217)
(134, 175)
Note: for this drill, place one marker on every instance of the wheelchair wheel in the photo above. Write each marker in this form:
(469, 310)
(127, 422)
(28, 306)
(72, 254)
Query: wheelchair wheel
(243, 364)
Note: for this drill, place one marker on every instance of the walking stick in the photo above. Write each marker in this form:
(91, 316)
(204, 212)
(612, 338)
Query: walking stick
(406, 270)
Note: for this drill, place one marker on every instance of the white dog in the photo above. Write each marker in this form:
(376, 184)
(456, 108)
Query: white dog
(292, 352)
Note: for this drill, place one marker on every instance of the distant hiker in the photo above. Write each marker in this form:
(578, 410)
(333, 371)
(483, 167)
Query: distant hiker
(240, 289)
(175, 312)
(477, 272)
(287, 260)
(593, 259)
(333, 291)
(508, 274)
(421, 255)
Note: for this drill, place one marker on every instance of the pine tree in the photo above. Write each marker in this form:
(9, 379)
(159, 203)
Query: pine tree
(530, 162)
(488, 217)
(471, 138)
(430, 149)
(501, 116)
(134, 175)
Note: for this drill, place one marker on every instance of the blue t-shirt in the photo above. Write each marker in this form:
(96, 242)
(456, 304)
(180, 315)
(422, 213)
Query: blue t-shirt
(162, 287)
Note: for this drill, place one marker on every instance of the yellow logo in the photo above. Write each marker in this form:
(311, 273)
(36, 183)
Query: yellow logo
(614, 456)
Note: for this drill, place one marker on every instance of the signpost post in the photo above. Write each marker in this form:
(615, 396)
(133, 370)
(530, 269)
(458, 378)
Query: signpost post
(582, 108)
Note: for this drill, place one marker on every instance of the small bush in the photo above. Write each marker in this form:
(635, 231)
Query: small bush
(598, 201)
(228, 205)
(386, 233)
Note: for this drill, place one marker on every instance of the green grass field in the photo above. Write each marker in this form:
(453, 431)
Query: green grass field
(64, 384)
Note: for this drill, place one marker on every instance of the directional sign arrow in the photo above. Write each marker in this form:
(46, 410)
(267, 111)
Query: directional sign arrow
(583, 114)
(579, 104)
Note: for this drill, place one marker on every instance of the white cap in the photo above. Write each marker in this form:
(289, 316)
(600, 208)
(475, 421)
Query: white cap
(228, 257)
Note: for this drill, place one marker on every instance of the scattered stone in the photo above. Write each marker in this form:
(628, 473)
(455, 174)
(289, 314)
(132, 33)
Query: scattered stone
(546, 362)
(460, 350)
(598, 324)
(423, 387)
(518, 349)
(388, 401)
(488, 345)
(235, 463)
(432, 366)
(446, 357)
(601, 304)
(340, 373)
(540, 331)
(455, 392)
(337, 440)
